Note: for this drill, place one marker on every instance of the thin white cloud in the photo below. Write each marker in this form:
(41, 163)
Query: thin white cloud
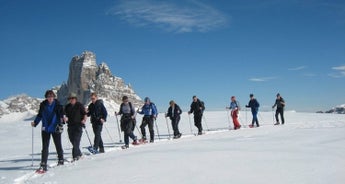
(297, 68)
(261, 79)
(170, 16)
(340, 72)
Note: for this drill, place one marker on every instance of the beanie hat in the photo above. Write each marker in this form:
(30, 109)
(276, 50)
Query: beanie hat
(146, 99)
(124, 98)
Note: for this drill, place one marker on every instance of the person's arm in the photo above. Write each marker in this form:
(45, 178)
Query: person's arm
(38, 116)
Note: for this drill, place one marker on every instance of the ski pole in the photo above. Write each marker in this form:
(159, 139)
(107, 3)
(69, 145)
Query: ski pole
(136, 126)
(166, 120)
(246, 118)
(108, 133)
(273, 115)
(205, 122)
(159, 137)
(190, 124)
(32, 146)
(87, 135)
(261, 119)
(228, 115)
(118, 127)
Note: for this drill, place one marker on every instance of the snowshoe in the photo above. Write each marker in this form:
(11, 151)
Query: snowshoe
(92, 150)
(238, 127)
(60, 162)
(42, 169)
(136, 142)
(177, 136)
(125, 146)
(142, 141)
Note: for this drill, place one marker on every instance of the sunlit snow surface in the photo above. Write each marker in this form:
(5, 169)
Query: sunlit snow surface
(309, 148)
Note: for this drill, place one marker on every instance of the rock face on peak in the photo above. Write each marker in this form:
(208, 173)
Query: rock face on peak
(85, 77)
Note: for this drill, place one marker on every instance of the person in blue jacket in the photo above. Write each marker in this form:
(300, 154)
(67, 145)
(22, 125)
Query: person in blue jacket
(150, 113)
(51, 114)
(254, 106)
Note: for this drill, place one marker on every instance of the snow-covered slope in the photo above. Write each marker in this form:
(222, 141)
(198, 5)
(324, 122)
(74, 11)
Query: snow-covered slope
(308, 149)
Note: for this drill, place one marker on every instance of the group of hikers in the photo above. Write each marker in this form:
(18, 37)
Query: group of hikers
(53, 115)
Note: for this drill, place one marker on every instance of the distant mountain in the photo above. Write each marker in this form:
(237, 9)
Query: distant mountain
(340, 109)
(85, 77)
(19, 103)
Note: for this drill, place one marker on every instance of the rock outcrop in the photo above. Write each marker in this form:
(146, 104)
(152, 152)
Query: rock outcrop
(85, 77)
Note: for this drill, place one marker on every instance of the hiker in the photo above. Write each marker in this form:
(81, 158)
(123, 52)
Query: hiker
(150, 113)
(51, 114)
(235, 107)
(98, 114)
(197, 107)
(76, 118)
(254, 105)
(127, 121)
(174, 112)
(280, 103)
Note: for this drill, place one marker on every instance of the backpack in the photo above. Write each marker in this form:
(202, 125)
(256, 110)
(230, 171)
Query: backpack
(202, 104)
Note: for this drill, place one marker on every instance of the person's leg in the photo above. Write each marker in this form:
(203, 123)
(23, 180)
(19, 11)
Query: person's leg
(282, 116)
(142, 127)
(58, 146)
(45, 147)
(151, 129)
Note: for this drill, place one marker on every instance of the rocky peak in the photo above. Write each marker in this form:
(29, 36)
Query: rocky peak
(85, 77)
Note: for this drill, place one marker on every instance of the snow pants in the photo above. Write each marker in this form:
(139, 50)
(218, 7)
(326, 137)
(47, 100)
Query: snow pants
(255, 118)
(74, 133)
(98, 142)
(174, 123)
(281, 112)
(197, 122)
(45, 145)
(147, 120)
(234, 116)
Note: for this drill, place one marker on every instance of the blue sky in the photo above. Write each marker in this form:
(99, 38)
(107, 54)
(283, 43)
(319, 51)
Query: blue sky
(176, 49)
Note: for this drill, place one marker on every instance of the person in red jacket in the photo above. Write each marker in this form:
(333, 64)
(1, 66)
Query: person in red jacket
(235, 107)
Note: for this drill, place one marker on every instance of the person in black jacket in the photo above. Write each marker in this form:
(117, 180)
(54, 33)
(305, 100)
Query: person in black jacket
(76, 117)
(197, 108)
(280, 103)
(51, 114)
(127, 121)
(254, 106)
(174, 112)
(98, 114)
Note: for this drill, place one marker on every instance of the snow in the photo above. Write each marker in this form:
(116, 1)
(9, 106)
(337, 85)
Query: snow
(308, 149)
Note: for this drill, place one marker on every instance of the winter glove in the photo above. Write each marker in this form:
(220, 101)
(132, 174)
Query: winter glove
(59, 128)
